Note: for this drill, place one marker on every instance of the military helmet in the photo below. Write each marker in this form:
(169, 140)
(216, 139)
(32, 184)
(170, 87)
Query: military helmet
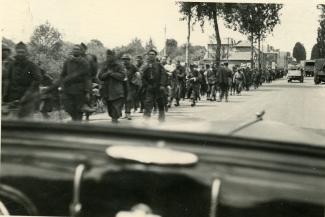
(126, 57)
(21, 45)
(5, 47)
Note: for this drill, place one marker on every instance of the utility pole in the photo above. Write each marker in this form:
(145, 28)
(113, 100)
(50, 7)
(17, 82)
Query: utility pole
(228, 49)
(165, 50)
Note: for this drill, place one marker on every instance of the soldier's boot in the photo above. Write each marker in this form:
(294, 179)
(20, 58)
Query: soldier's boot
(193, 103)
(170, 102)
(87, 116)
(141, 110)
(161, 117)
(87, 109)
(115, 121)
(46, 115)
(128, 116)
(177, 103)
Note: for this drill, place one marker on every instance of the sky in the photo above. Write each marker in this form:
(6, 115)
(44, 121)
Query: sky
(117, 22)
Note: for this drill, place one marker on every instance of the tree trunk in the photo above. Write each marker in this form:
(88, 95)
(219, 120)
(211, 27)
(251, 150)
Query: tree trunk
(259, 53)
(187, 58)
(216, 29)
(252, 50)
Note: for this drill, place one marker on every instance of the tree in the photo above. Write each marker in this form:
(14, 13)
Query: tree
(97, 48)
(315, 52)
(133, 48)
(211, 12)
(254, 20)
(150, 45)
(299, 52)
(171, 47)
(196, 53)
(46, 40)
(187, 9)
(46, 47)
(321, 31)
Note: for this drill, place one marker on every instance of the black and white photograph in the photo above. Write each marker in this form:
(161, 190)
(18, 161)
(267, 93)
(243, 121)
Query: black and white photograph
(162, 108)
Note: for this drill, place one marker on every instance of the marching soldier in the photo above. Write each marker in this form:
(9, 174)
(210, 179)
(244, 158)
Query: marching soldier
(75, 79)
(92, 60)
(46, 104)
(93, 68)
(225, 77)
(194, 84)
(154, 81)
(203, 84)
(114, 92)
(178, 80)
(6, 62)
(23, 83)
(140, 93)
(133, 84)
(211, 76)
(239, 79)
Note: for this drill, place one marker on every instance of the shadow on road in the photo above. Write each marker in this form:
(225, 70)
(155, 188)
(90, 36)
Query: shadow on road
(298, 85)
(206, 105)
(267, 89)
(234, 101)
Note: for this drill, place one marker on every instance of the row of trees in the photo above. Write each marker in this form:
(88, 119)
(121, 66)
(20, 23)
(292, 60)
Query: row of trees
(318, 50)
(254, 20)
(47, 47)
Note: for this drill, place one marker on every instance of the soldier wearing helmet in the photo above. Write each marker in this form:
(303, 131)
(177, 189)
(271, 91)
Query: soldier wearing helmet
(133, 84)
(6, 61)
(23, 82)
(154, 81)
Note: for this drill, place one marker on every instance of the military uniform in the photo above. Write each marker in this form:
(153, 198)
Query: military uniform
(140, 93)
(178, 77)
(133, 86)
(46, 104)
(225, 75)
(194, 79)
(6, 62)
(113, 88)
(75, 78)
(154, 82)
(23, 86)
(211, 76)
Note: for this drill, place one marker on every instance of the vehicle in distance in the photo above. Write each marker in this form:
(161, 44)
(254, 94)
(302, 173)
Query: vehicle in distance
(319, 71)
(295, 74)
(309, 68)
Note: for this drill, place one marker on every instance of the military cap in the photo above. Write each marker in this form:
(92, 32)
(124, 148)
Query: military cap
(5, 47)
(139, 57)
(126, 57)
(84, 46)
(77, 46)
(110, 52)
(21, 45)
(153, 50)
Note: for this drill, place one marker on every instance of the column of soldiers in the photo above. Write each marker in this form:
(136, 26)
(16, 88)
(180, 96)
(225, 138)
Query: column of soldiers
(148, 85)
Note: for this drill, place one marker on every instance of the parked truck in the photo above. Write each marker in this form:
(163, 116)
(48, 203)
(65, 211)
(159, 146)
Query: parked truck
(309, 68)
(319, 75)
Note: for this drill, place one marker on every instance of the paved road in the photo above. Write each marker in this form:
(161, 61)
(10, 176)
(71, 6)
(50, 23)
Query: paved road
(297, 104)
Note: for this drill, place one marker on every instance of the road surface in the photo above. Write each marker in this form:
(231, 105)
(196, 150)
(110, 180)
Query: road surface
(297, 104)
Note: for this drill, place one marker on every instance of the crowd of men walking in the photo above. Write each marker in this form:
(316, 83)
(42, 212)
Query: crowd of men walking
(148, 85)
